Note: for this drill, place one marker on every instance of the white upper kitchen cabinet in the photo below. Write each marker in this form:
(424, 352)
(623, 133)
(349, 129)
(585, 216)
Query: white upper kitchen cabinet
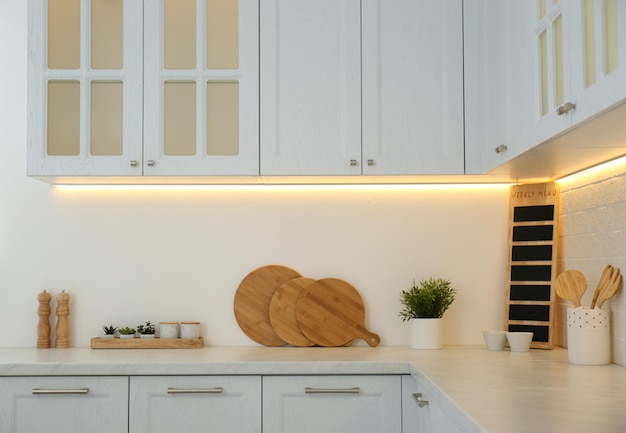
(580, 62)
(371, 87)
(201, 87)
(64, 404)
(195, 404)
(332, 404)
(132, 87)
(412, 101)
(310, 87)
(85, 87)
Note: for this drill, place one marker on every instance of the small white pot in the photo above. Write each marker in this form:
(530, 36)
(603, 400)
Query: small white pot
(426, 333)
(127, 335)
(107, 336)
(146, 335)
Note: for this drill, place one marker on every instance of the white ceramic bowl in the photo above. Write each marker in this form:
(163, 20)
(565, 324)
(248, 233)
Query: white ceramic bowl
(519, 341)
(495, 340)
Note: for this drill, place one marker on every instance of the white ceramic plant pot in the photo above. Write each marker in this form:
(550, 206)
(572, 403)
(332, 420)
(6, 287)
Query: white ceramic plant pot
(426, 333)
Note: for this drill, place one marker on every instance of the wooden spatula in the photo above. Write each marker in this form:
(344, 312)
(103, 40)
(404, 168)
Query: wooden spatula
(571, 285)
(604, 279)
(611, 287)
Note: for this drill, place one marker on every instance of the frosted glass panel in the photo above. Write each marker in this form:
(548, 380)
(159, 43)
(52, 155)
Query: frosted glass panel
(590, 42)
(106, 118)
(63, 34)
(541, 9)
(543, 71)
(107, 34)
(222, 23)
(63, 118)
(222, 118)
(180, 34)
(558, 60)
(180, 118)
(612, 42)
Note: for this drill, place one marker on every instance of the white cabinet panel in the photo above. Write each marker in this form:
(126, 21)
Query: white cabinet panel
(64, 404)
(195, 404)
(331, 404)
(412, 87)
(310, 87)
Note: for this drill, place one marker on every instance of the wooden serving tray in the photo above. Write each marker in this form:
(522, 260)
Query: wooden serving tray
(147, 343)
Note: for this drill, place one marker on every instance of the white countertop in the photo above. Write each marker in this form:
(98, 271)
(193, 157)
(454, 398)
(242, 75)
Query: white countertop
(499, 392)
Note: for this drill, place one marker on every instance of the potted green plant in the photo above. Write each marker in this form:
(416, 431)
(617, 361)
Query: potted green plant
(424, 306)
(147, 330)
(127, 332)
(109, 331)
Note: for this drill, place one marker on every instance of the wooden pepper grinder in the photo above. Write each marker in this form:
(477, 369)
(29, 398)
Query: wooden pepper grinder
(63, 329)
(43, 327)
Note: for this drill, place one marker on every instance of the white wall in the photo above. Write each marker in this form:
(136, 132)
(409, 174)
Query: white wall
(130, 255)
(594, 235)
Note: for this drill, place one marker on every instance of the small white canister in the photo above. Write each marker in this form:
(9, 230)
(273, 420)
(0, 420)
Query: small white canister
(588, 336)
(189, 329)
(168, 329)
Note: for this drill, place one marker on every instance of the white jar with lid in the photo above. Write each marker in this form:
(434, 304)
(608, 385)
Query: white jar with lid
(190, 330)
(168, 329)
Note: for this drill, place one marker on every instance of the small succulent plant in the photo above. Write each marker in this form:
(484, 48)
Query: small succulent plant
(147, 329)
(126, 331)
(109, 330)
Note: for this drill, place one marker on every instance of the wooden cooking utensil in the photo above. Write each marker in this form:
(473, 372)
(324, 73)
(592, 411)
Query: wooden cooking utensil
(604, 279)
(330, 312)
(252, 302)
(571, 285)
(611, 287)
(283, 312)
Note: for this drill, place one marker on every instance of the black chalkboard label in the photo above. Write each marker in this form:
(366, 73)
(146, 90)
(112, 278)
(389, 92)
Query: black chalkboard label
(539, 313)
(540, 333)
(522, 253)
(531, 273)
(533, 213)
(528, 292)
(533, 233)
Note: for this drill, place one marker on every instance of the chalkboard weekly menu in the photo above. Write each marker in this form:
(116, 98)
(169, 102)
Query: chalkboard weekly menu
(533, 234)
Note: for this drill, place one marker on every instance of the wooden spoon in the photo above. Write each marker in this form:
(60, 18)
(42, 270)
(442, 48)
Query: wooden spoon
(571, 285)
(610, 288)
(604, 279)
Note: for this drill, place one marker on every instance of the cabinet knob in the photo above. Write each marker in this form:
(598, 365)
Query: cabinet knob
(150, 163)
(565, 108)
(370, 162)
(501, 148)
(353, 162)
(418, 398)
(133, 163)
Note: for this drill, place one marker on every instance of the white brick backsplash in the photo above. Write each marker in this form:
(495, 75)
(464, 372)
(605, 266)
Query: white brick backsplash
(593, 234)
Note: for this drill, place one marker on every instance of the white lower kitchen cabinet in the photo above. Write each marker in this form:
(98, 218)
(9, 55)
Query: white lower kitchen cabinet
(74, 404)
(332, 404)
(421, 411)
(195, 404)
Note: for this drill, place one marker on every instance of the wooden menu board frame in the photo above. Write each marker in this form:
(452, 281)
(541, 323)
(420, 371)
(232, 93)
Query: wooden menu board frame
(533, 237)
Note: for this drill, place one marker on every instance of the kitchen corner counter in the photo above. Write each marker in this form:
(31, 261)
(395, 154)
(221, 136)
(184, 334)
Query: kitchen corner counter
(483, 391)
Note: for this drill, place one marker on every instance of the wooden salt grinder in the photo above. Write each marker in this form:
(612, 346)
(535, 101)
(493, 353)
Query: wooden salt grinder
(43, 327)
(63, 329)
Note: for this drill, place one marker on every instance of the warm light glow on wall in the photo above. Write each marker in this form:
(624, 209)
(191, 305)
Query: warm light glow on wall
(617, 165)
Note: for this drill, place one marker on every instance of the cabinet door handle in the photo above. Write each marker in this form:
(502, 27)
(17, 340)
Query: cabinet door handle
(370, 162)
(353, 162)
(195, 390)
(150, 163)
(37, 391)
(501, 148)
(418, 398)
(565, 108)
(308, 390)
(133, 163)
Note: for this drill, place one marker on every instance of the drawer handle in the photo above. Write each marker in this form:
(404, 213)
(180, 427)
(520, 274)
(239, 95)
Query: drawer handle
(195, 390)
(418, 398)
(332, 390)
(37, 391)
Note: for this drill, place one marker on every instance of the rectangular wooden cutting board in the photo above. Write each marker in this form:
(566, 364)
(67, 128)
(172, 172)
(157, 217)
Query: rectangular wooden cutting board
(147, 343)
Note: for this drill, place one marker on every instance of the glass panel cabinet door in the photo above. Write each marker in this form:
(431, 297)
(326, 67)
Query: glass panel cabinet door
(201, 87)
(85, 87)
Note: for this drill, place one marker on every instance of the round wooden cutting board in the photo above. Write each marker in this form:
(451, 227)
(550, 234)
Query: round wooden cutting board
(252, 302)
(283, 311)
(330, 312)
